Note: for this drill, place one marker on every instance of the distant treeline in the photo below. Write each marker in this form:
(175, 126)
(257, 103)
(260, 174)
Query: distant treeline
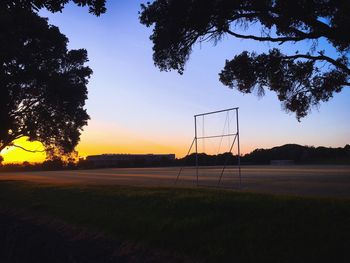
(300, 155)
(294, 152)
(48, 165)
(297, 153)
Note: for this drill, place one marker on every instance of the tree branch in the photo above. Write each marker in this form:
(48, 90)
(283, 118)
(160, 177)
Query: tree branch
(244, 15)
(31, 151)
(2, 146)
(319, 29)
(272, 39)
(320, 57)
(9, 139)
(322, 28)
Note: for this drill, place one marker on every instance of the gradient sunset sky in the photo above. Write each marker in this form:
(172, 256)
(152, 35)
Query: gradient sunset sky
(135, 108)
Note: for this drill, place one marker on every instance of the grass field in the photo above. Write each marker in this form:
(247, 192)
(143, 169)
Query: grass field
(203, 224)
(310, 180)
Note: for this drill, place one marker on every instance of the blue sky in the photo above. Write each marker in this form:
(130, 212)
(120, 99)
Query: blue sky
(136, 108)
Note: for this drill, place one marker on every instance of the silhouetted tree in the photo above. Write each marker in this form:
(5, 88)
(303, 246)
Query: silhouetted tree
(26, 164)
(96, 7)
(54, 164)
(42, 83)
(300, 80)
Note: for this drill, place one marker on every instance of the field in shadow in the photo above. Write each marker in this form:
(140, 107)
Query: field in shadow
(199, 224)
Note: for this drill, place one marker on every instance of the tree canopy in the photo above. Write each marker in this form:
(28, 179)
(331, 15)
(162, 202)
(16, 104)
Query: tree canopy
(43, 85)
(301, 80)
(96, 7)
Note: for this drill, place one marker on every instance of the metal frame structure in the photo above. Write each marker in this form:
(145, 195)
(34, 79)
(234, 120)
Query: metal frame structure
(195, 143)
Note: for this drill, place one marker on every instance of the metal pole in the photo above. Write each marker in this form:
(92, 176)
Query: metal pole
(225, 164)
(203, 134)
(213, 112)
(189, 150)
(218, 136)
(196, 146)
(239, 152)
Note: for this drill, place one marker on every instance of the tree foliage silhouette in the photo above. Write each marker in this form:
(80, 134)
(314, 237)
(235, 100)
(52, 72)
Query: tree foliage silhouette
(42, 83)
(301, 80)
(96, 7)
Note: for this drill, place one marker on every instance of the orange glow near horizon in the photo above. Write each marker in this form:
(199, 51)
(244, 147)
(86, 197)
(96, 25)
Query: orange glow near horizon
(104, 138)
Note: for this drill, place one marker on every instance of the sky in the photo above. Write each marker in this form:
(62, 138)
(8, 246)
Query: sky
(135, 108)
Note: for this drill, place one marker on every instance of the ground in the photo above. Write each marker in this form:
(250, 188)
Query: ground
(321, 180)
(281, 214)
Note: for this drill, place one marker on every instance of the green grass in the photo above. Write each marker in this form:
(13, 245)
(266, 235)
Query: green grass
(211, 225)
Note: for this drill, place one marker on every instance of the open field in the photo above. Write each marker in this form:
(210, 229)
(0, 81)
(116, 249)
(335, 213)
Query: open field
(145, 217)
(328, 181)
(159, 224)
